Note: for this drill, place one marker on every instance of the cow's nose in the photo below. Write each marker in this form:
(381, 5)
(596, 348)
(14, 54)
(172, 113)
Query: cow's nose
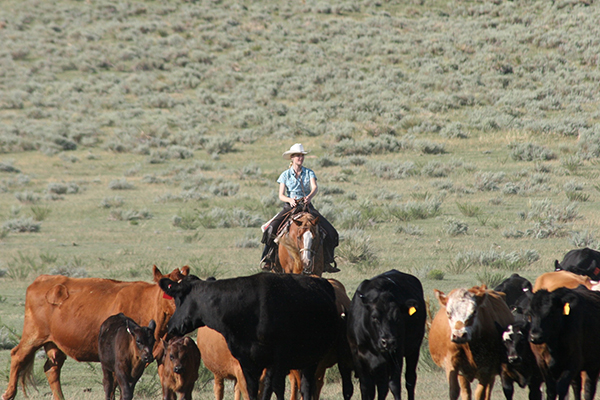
(536, 338)
(514, 359)
(388, 343)
(178, 369)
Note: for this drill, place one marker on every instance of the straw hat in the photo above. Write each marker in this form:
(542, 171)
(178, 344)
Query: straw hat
(295, 149)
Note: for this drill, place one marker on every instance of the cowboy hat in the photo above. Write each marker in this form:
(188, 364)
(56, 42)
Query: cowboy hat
(295, 149)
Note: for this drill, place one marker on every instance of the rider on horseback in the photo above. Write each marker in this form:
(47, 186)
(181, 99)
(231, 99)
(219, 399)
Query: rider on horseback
(297, 187)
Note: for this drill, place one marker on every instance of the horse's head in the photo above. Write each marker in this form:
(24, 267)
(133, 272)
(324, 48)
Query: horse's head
(304, 236)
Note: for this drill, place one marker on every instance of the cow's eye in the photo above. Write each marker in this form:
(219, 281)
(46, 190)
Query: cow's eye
(171, 357)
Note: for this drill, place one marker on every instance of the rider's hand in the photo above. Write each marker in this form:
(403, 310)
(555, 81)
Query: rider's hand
(293, 202)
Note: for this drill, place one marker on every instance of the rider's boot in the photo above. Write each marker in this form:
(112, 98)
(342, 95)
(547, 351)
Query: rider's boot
(266, 261)
(330, 264)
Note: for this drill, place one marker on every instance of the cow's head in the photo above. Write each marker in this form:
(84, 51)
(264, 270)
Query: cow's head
(143, 338)
(186, 317)
(516, 341)
(461, 309)
(177, 353)
(386, 316)
(549, 312)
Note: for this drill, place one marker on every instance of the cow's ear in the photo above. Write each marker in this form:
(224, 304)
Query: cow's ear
(130, 326)
(412, 306)
(360, 292)
(442, 298)
(152, 326)
(156, 274)
(185, 270)
(557, 266)
(569, 302)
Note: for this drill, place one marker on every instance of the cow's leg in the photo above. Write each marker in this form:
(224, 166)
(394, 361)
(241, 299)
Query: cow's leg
(410, 376)
(465, 387)
(484, 389)
(308, 384)
(126, 387)
(108, 382)
(563, 383)
(252, 377)
(454, 389)
(21, 363)
(295, 380)
(54, 363)
(507, 385)
(367, 386)
(219, 388)
(576, 385)
(267, 384)
(590, 384)
(347, 385)
(278, 383)
(382, 388)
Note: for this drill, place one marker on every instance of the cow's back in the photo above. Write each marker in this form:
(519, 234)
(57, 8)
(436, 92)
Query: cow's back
(557, 279)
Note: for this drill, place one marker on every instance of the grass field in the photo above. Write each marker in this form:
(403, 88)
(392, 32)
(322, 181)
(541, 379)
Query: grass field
(458, 141)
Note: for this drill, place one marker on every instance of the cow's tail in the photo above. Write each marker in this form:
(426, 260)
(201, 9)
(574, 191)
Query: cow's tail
(26, 375)
(293, 251)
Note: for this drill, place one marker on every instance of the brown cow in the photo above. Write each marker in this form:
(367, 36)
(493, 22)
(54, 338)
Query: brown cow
(64, 315)
(465, 341)
(218, 359)
(554, 280)
(124, 349)
(178, 365)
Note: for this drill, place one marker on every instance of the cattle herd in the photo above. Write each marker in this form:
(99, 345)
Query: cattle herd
(261, 328)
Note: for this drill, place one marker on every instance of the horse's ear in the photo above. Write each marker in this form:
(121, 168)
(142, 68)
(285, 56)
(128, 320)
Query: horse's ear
(315, 221)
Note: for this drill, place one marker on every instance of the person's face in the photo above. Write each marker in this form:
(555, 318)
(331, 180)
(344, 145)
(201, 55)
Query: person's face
(298, 159)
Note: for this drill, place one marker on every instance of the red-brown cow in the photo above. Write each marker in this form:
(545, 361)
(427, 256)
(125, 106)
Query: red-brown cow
(557, 279)
(178, 367)
(465, 341)
(64, 315)
(218, 359)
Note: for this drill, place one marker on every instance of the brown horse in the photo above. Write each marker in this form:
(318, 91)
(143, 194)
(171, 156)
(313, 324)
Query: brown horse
(300, 248)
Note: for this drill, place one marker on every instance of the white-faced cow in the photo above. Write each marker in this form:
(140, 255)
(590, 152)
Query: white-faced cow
(386, 324)
(277, 322)
(582, 262)
(567, 322)
(464, 339)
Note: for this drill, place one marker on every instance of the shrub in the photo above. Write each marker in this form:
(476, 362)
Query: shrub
(584, 239)
(530, 152)
(8, 167)
(415, 210)
(22, 225)
(436, 275)
(409, 229)
(62, 188)
(186, 219)
(110, 202)
(27, 197)
(454, 227)
(469, 210)
(120, 184)
(355, 248)
(490, 279)
(248, 242)
(40, 213)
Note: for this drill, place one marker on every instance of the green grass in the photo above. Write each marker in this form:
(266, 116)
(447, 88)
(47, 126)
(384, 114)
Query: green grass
(134, 134)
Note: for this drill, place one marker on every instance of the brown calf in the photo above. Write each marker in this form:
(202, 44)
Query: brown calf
(178, 367)
(124, 349)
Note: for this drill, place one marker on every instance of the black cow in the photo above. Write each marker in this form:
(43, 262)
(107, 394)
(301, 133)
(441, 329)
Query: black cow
(277, 322)
(124, 349)
(567, 321)
(386, 323)
(522, 366)
(514, 287)
(582, 262)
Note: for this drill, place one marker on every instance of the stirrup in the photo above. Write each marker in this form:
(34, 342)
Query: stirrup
(331, 268)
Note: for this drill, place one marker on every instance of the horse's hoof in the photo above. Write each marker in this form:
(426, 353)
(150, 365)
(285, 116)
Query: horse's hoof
(332, 269)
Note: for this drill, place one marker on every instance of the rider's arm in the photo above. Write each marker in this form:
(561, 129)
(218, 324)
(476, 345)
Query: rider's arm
(283, 197)
(313, 190)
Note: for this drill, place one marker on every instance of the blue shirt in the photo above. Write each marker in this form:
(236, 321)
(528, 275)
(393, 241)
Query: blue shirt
(295, 185)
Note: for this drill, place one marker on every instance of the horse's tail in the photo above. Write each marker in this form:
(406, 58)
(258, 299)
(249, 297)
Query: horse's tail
(293, 251)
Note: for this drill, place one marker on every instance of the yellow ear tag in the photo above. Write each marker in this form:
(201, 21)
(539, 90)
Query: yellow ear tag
(412, 310)
(566, 309)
